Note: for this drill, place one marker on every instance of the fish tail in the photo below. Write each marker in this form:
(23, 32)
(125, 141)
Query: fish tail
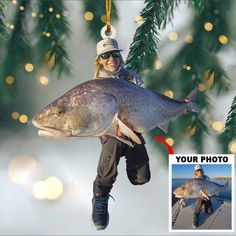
(226, 184)
(190, 99)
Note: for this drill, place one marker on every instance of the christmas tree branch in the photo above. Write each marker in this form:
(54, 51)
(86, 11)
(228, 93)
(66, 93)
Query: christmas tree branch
(143, 50)
(194, 65)
(53, 30)
(17, 52)
(229, 133)
(3, 31)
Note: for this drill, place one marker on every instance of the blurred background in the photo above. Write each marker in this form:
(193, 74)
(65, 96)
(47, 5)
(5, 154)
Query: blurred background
(48, 47)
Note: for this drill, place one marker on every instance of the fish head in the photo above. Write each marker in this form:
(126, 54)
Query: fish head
(58, 120)
(181, 192)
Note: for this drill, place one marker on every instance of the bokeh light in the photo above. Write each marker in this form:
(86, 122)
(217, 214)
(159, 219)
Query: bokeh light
(88, 15)
(58, 16)
(21, 168)
(139, 20)
(201, 87)
(173, 36)
(170, 141)
(29, 67)
(43, 80)
(232, 146)
(208, 26)
(9, 80)
(51, 188)
(50, 9)
(223, 39)
(40, 190)
(22, 8)
(103, 18)
(54, 188)
(33, 14)
(189, 39)
(23, 118)
(169, 93)
(158, 64)
(48, 34)
(218, 125)
(15, 115)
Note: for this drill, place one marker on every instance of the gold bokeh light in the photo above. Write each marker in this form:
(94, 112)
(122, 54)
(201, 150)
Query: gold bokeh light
(173, 36)
(170, 141)
(22, 8)
(232, 146)
(54, 187)
(88, 15)
(208, 26)
(139, 20)
(223, 39)
(218, 125)
(158, 64)
(9, 80)
(15, 115)
(23, 119)
(103, 18)
(43, 80)
(189, 39)
(169, 93)
(29, 67)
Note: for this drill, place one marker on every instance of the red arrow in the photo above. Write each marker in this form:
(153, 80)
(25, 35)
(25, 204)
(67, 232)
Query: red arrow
(160, 139)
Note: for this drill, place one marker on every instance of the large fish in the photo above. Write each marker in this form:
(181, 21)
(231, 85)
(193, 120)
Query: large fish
(105, 106)
(199, 187)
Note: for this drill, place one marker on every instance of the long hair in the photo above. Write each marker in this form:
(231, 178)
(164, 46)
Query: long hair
(194, 173)
(99, 67)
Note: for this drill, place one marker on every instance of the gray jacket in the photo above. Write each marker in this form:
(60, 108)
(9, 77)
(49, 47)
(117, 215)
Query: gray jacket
(122, 73)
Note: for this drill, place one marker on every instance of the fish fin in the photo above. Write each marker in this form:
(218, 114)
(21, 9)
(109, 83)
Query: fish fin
(204, 195)
(164, 126)
(124, 129)
(226, 185)
(125, 141)
(190, 99)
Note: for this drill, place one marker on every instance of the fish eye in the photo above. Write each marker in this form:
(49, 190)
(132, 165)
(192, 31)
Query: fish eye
(59, 111)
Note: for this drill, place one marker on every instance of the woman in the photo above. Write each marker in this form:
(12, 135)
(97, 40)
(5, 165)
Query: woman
(199, 173)
(109, 64)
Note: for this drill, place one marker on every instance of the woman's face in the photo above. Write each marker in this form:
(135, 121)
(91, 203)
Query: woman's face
(110, 61)
(198, 173)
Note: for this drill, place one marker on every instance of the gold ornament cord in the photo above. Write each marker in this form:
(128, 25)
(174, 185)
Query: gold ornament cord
(108, 15)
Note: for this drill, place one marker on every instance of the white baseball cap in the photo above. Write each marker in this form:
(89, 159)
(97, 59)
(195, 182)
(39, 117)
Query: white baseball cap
(198, 167)
(107, 45)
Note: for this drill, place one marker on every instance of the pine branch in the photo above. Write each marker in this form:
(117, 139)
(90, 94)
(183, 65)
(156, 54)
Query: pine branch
(194, 65)
(229, 132)
(17, 52)
(98, 10)
(230, 124)
(3, 31)
(197, 5)
(143, 50)
(53, 30)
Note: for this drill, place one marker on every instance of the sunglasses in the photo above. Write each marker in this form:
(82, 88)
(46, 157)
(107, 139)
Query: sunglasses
(114, 54)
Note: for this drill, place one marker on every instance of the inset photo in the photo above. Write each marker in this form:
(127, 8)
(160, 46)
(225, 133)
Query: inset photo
(201, 197)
